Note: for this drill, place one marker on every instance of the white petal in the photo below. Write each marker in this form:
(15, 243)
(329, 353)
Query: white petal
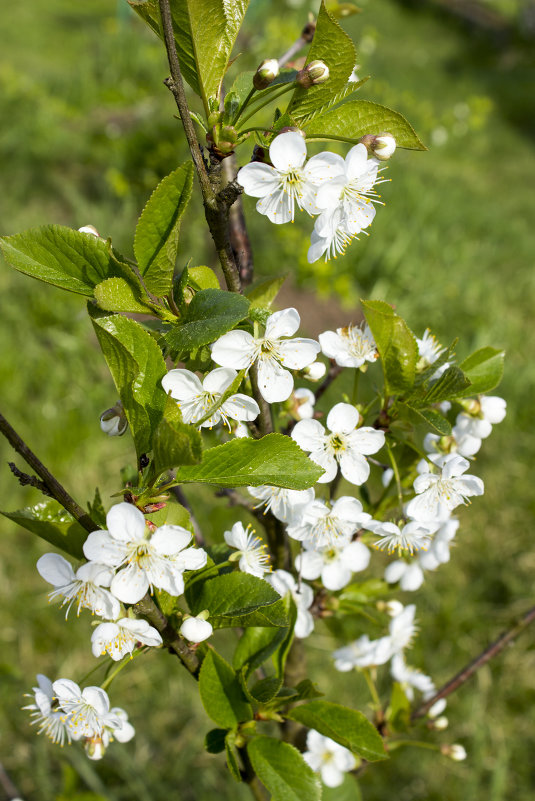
(356, 161)
(193, 558)
(182, 384)
(276, 207)
(336, 575)
(168, 540)
(304, 625)
(413, 578)
(318, 246)
(167, 577)
(125, 522)
(328, 195)
(331, 344)
(324, 167)
(274, 382)
(494, 408)
(100, 547)
(130, 584)
(258, 180)
(282, 324)
(288, 151)
(97, 698)
(298, 353)
(325, 460)
(241, 407)
(55, 569)
(309, 435)
(356, 556)
(367, 440)
(331, 776)
(343, 418)
(471, 485)
(394, 571)
(219, 380)
(236, 349)
(309, 564)
(348, 508)
(195, 629)
(354, 467)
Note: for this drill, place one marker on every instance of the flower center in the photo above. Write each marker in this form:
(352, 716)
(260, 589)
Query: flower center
(337, 443)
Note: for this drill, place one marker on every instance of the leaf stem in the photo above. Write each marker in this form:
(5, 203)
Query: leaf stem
(124, 662)
(243, 105)
(147, 609)
(266, 101)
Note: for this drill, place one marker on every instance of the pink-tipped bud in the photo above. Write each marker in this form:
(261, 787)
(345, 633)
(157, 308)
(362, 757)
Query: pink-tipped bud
(382, 146)
(113, 421)
(266, 73)
(314, 73)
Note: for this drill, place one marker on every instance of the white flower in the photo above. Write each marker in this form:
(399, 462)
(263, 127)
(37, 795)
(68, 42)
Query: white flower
(196, 399)
(410, 678)
(113, 421)
(87, 711)
(289, 182)
(412, 537)
(448, 489)
(346, 445)
(46, 713)
(321, 525)
(480, 416)
(303, 596)
(305, 400)
(331, 236)
(196, 629)
(315, 371)
(362, 653)
(85, 588)
(284, 504)
(429, 349)
(409, 574)
(458, 442)
(274, 352)
(143, 559)
(328, 758)
(439, 551)
(122, 637)
(335, 564)
(349, 347)
(402, 629)
(251, 550)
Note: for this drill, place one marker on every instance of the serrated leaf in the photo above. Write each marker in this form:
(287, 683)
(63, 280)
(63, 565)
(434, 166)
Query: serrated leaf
(52, 523)
(346, 726)
(202, 277)
(275, 460)
(204, 33)
(356, 118)
(66, 258)
(396, 345)
(221, 693)
(156, 238)
(484, 369)
(452, 383)
(211, 313)
(229, 595)
(274, 615)
(117, 295)
(334, 47)
(264, 690)
(283, 771)
(307, 689)
(263, 293)
(137, 367)
(174, 442)
(428, 417)
(256, 646)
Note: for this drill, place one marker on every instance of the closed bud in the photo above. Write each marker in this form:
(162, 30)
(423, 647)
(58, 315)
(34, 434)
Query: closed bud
(437, 708)
(196, 629)
(440, 723)
(266, 73)
(456, 752)
(314, 73)
(113, 421)
(94, 748)
(315, 371)
(382, 146)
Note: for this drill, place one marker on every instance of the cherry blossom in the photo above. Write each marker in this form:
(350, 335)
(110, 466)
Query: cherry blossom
(411, 679)
(274, 352)
(46, 713)
(304, 403)
(121, 637)
(86, 588)
(335, 564)
(196, 629)
(303, 595)
(284, 504)
(322, 525)
(346, 445)
(447, 490)
(251, 551)
(412, 537)
(352, 346)
(87, 711)
(328, 758)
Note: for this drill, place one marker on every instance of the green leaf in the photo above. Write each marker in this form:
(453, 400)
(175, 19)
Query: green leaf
(137, 367)
(214, 742)
(256, 646)
(346, 726)
(52, 523)
(396, 345)
(275, 459)
(364, 592)
(156, 238)
(334, 47)
(205, 33)
(96, 509)
(273, 615)
(265, 690)
(263, 293)
(117, 295)
(484, 369)
(307, 689)
(202, 277)
(399, 710)
(232, 756)
(221, 693)
(356, 118)
(211, 313)
(65, 258)
(174, 442)
(232, 595)
(451, 383)
(283, 771)
(428, 417)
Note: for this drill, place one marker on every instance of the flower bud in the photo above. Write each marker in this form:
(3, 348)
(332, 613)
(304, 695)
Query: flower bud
(315, 371)
(113, 421)
(314, 73)
(437, 708)
(89, 229)
(94, 748)
(266, 73)
(456, 752)
(440, 723)
(381, 146)
(393, 608)
(196, 629)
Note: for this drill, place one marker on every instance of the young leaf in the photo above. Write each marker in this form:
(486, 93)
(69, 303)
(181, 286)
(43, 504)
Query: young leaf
(334, 47)
(52, 523)
(202, 277)
(66, 258)
(451, 384)
(137, 367)
(214, 742)
(428, 417)
(221, 693)
(356, 118)
(232, 756)
(346, 726)
(264, 690)
(263, 293)
(156, 238)
(174, 442)
(117, 295)
(396, 345)
(233, 595)
(283, 771)
(256, 646)
(211, 313)
(484, 369)
(274, 459)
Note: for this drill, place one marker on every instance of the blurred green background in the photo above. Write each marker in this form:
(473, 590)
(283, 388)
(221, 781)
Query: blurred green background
(87, 131)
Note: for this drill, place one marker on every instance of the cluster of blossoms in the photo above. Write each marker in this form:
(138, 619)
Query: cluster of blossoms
(339, 191)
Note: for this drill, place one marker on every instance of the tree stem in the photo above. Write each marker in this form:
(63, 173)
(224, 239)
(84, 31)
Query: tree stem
(148, 609)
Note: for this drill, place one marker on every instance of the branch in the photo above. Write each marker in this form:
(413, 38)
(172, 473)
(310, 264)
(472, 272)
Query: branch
(333, 372)
(307, 34)
(148, 609)
(485, 656)
(28, 481)
(239, 238)
(52, 484)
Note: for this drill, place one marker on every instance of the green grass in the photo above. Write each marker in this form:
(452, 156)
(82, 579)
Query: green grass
(88, 132)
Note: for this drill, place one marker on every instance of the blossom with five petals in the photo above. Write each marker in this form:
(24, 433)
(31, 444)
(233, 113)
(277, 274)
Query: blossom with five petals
(87, 711)
(321, 525)
(445, 490)
(86, 587)
(122, 636)
(352, 346)
(328, 758)
(335, 564)
(273, 352)
(345, 445)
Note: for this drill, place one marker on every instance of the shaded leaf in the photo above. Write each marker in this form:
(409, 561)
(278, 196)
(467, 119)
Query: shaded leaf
(52, 523)
(221, 693)
(396, 345)
(283, 771)
(428, 417)
(214, 742)
(174, 442)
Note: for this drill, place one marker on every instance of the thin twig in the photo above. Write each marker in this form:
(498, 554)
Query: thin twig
(307, 34)
(148, 609)
(467, 672)
(51, 483)
(239, 238)
(28, 481)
